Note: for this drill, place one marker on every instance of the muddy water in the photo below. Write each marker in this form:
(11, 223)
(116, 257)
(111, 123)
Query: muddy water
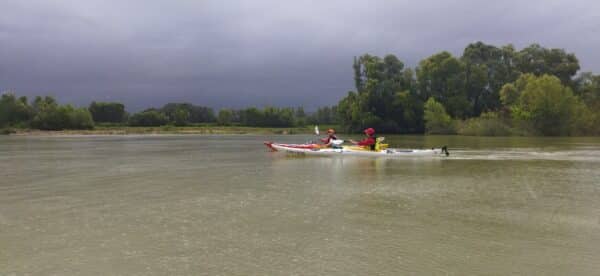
(223, 205)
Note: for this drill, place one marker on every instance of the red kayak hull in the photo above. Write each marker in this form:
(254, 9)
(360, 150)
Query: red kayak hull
(269, 144)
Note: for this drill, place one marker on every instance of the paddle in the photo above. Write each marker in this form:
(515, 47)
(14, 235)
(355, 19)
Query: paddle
(317, 134)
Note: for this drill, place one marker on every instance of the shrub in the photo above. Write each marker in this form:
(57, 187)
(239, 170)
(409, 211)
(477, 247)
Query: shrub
(488, 124)
(437, 121)
(80, 118)
(544, 104)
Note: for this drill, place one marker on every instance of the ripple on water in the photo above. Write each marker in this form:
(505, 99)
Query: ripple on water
(223, 205)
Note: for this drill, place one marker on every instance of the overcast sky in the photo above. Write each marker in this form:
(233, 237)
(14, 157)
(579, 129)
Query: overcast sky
(256, 52)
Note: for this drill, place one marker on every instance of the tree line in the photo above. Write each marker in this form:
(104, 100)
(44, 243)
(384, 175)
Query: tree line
(488, 90)
(46, 114)
(42, 113)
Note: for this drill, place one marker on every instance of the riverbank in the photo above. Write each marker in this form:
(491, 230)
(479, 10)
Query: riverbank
(127, 130)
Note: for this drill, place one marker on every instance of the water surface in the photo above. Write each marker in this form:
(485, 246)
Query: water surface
(224, 205)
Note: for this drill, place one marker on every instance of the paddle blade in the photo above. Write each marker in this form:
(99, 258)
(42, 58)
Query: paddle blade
(317, 130)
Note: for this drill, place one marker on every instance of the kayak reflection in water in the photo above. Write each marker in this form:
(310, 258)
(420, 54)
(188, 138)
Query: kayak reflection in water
(368, 142)
(328, 141)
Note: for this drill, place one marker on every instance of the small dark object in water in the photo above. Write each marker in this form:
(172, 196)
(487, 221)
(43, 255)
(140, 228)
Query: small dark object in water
(445, 150)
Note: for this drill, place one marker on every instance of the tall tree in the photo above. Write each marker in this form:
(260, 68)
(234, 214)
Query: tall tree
(442, 77)
(374, 103)
(538, 60)
(487, 69)
(588, 88)
(14, 110)
(107, 112)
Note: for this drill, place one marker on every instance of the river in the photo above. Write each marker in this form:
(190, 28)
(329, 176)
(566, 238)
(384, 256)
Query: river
(224, 205)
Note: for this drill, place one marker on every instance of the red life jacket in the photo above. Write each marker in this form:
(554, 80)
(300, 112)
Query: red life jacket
(369, 141)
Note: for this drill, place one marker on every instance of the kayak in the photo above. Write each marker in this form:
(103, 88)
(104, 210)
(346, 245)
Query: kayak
(315, 149)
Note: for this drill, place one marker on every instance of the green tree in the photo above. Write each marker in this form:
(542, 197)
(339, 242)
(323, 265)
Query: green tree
(196, 114)
(539, 61)
(267, 117)
(437, 121)
(14, 111)
(442, 77)
(51, 116)
(487, 69)
(148, 118)
(408, 112)
(225, 117)
(251, 117)
(544, 103)
(80, 118)
(300, 116)
(511, 92)
(378, 82)
(202, 114)
(47, 115)
(180, 117)
(276, 117)
(350, 112)
(324, 115)
(108, 112)
(588, 88)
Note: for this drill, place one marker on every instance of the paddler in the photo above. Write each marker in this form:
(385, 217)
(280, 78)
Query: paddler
(328, 141)
(368, 142)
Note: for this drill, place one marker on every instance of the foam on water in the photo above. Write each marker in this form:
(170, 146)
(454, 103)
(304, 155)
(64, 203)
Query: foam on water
(524, 154)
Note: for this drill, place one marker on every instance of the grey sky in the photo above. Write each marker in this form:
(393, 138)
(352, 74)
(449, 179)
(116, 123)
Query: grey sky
(248, 52)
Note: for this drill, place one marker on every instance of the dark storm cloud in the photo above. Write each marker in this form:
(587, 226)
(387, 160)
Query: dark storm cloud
(239, 53)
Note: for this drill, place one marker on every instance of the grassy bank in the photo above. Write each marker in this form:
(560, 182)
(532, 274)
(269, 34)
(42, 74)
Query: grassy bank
(7, 131)
(127, 130)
